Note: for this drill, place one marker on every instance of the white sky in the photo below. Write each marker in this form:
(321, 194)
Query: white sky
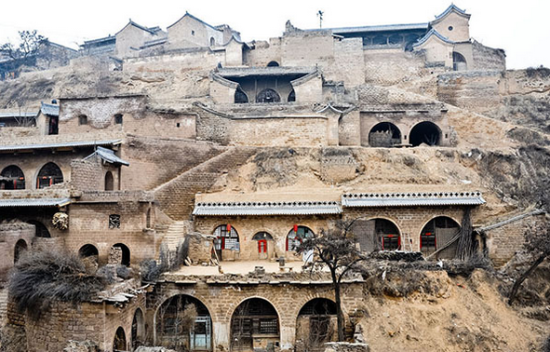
(516, 26)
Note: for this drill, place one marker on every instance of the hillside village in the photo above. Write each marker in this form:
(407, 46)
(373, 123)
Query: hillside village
(180, 172)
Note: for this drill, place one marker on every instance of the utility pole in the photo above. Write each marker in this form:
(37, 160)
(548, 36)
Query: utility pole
(320, 15)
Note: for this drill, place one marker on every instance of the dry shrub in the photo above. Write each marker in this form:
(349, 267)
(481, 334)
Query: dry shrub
(42, 277)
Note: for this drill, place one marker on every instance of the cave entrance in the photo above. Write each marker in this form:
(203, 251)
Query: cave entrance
(425, 133)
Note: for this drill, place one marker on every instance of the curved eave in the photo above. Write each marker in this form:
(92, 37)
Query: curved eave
(430, 34)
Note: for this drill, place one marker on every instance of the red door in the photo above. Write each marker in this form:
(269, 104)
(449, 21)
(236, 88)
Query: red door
(262, 249)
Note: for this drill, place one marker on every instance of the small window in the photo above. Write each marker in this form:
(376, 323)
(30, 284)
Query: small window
(114, 221)
(178, 125)
(192, 32)
(451, 28)
(273, 64)
(118, 119)
(212, 41)
(83, 120)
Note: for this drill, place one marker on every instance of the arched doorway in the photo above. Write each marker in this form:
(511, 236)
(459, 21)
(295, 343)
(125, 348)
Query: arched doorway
(240, 96)
(88, 250)
(459, 62)
(226, 243)
(212, 41)
(425, 133)
(90, 255)
(119, 342)
(437, 233)
(109, 181)
(19, 250)
(268, 96)
(183, 323)
(292, 96)
(316, 324)
(41, 229)
(12, 178)
(273, 64)
(265, 247)
(255, 326)
(49, 175)
(296, 236)
(384, 135)
(119, 254)
(376, 234)
(138, 329)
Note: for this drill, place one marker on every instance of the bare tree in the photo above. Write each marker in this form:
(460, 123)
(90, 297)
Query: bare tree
(537, 243)
(29, 44)
(336, 250)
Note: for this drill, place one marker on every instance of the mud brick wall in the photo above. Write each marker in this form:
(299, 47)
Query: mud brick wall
(505, 241)
(9, 237)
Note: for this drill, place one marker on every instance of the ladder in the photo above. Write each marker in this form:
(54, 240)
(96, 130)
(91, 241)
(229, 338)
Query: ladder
(406, 242)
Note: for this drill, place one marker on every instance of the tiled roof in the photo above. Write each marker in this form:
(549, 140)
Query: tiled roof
(412, 199)
(49, 109)
(60, 145)
(267, 208)
(429, 34)
(37, 202)
(17, 114)
(108, 155)
(99, 40)
(187, 14)
(381, 28)
(451, 8)
(265, 71)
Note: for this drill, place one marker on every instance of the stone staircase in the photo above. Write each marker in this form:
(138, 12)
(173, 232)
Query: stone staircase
(174, 235)
(177, 196)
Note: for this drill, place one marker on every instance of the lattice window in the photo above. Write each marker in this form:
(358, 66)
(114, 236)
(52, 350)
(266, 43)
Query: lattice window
(114, 221)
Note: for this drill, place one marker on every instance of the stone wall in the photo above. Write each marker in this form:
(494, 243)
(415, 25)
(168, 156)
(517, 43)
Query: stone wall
(221, 300)
(97, 322)
(486, 58)
(10, 236)
(90, 175)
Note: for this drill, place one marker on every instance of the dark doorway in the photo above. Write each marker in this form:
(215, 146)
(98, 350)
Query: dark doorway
(425, 133)
(121, 254)
(376, 235)
(459, 62)
(119, 343)
(19, 250)
(53, 125)
(109, 181)
(41, 229)
(384, 135)
(240, 96)
(138, 329)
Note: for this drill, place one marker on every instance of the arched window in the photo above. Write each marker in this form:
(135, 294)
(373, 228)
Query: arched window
(119, 254)
(292, 96)
(296, 236)
(138, 329)
(118, 119)
(273, 64)
(12, 178)
(425, 133)
(41, 229)
(19, 250)
(49, 175)
(212, 41)
(437, 233)
(268, 96)
(240, 96)
(384, 135)
(88, 250)
(119, 342)
(459, 62)
(254, 322)
(376, 234)
(109, 181)
(227, 239)
(316, 323)
(174, 328)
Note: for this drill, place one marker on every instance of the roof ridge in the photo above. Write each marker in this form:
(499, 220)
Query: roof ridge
(427, 36)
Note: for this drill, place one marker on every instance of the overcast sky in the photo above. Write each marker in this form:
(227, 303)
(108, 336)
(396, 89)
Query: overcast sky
(519, 27)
